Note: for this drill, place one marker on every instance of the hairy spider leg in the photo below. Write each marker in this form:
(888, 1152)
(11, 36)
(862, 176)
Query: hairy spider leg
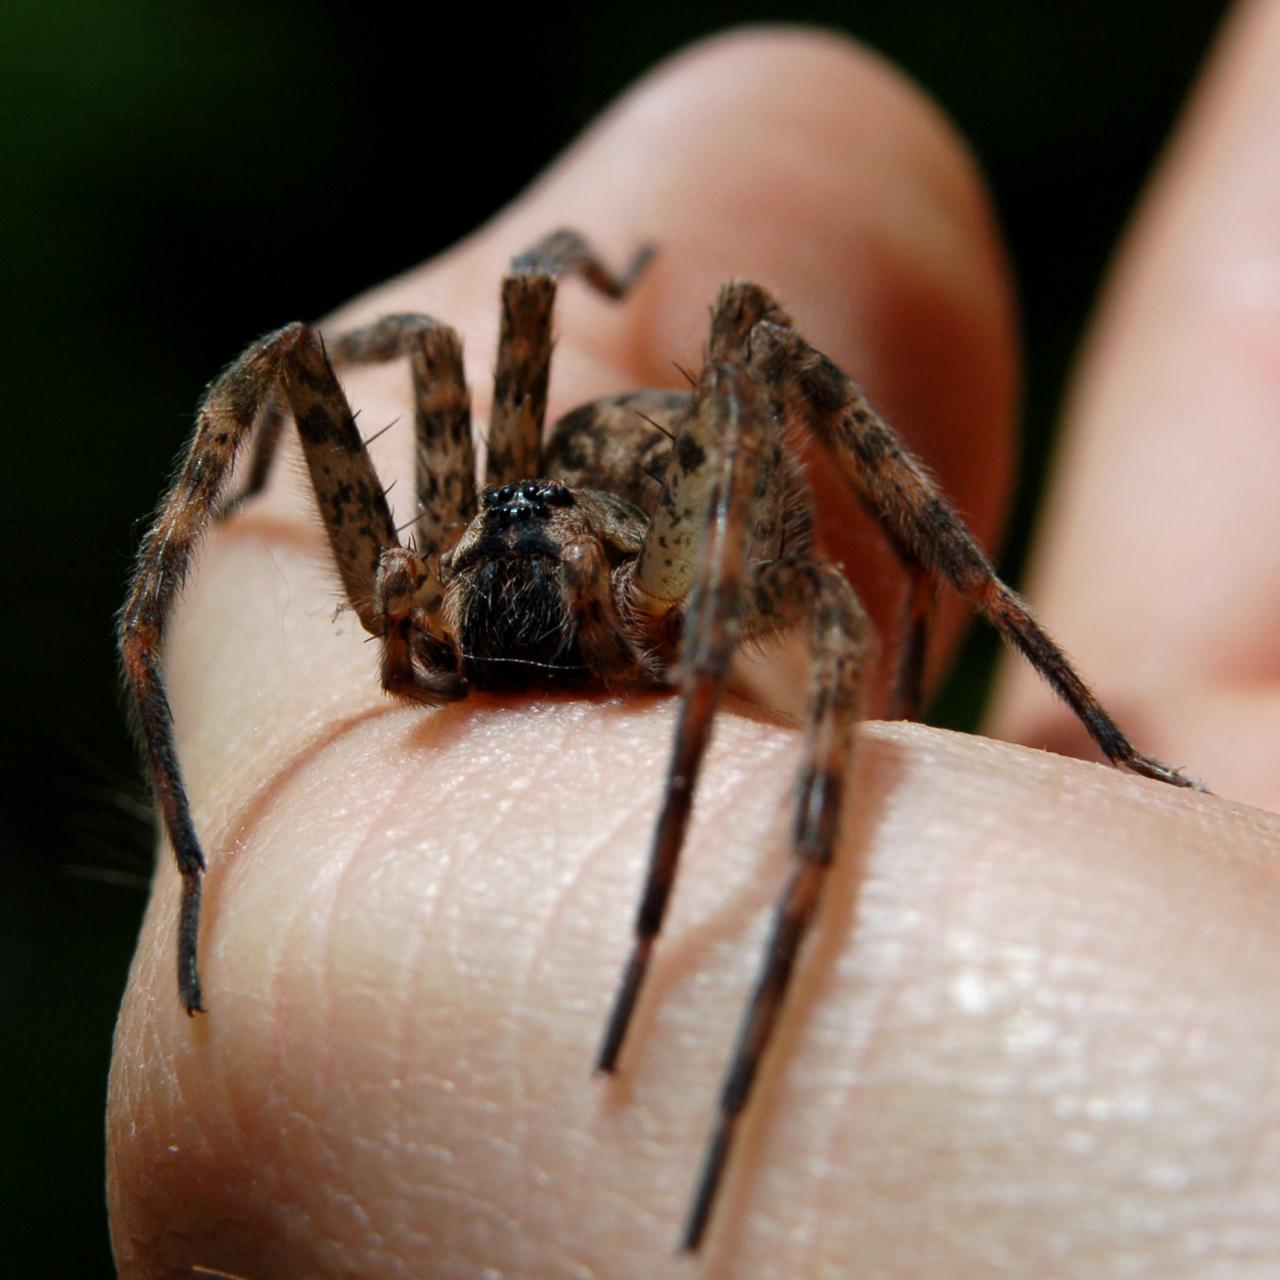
(842, 643)
(714, 468)
(916, 515)
(525, 341)
(445, 464)
(445, 472)
(721, 494)
(357, 521)
(907, 699)
(266, 440)
(726, 448)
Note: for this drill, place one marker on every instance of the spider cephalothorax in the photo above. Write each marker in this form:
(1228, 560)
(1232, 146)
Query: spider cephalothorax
(533, 580)
(639, 543)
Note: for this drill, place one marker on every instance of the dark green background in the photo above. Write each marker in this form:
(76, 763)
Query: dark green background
(154, 159)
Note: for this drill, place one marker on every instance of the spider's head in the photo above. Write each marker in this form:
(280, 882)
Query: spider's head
(535, 562)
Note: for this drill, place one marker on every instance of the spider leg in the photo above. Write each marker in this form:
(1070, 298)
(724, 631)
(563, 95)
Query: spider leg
(716, 465)
(524, 346)
(665, 569)
(445, 477)
(358, 524)
(226, 418)
(446, 470)
(266, 440)
(842, 644)
(919, 518)
(913, 643)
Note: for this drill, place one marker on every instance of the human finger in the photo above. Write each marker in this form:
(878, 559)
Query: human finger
(1160, 564)
(276, 703)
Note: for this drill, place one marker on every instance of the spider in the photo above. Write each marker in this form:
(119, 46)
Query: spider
(637, 545)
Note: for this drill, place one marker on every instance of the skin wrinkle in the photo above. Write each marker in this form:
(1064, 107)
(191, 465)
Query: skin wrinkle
(372, 840)
(1083, 772)
(418, 976)
(506, 1146)
(605, 841)
(293, 774)
(422, 976)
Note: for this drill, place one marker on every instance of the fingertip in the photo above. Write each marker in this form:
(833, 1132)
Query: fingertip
(1163, 533)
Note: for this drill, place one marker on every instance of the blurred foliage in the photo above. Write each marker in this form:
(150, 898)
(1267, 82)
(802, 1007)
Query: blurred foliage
(178, 176)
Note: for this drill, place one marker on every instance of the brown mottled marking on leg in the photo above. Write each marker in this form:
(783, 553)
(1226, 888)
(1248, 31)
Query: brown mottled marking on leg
(358, 523)
(352, 504)
(446, 468)
(225, 419)
(385, 339)
(664, 572)
(779, 510)
(735, 413)
(524, 346)
(446, 464)
(916, 515)
(739, 307)
(567, 252)
(842, 644)
(520, 379)
(376, 571)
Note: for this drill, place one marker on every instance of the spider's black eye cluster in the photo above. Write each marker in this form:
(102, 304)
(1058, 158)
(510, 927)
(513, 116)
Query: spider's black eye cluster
(528, 500)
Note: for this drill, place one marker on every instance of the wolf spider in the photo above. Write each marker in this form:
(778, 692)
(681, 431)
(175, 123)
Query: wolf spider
(639, 544)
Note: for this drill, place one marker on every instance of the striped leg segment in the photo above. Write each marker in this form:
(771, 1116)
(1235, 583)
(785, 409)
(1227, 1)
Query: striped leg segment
(727, 429)
(445, 472)
(525, 342)
(842, 646)
(290, 364)
(919, 518)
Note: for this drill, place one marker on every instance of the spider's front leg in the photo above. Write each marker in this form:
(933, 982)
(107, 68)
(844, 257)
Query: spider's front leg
(727, 462)
(384, 585)
(842, 644)
(692, 569)
(919, 518)
(725, 492)
(524, 346)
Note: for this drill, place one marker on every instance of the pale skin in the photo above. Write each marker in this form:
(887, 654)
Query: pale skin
(1036, 1033)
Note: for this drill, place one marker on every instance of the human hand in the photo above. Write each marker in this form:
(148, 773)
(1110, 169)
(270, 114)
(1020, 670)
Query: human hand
(1032, 1034)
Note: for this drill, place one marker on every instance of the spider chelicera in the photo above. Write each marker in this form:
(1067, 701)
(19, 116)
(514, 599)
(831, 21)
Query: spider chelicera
(638, 544)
